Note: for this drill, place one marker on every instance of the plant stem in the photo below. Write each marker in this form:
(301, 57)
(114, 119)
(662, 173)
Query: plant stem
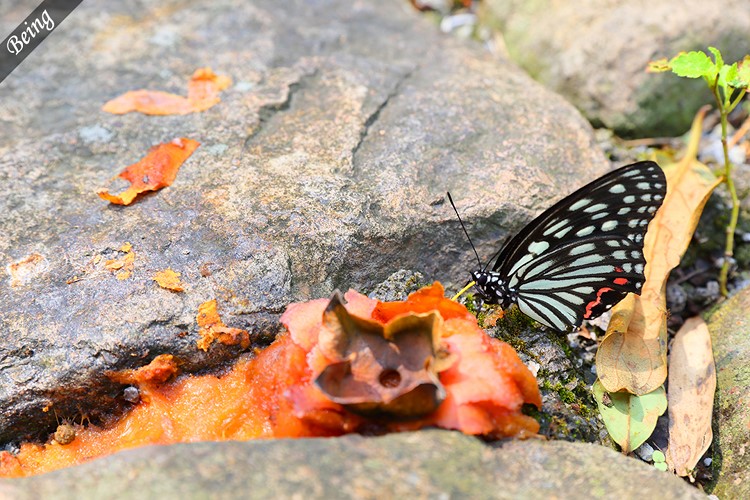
(732, 226)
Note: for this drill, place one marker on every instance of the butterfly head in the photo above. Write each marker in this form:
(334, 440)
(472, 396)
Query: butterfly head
(489, 286)
(480, 277)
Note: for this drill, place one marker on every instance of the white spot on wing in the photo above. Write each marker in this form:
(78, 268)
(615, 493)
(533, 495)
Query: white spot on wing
(629, 199)
(588, 271)
(595, 208)
(521, 262)
(528, 311)
(617, 189)
(538, 247)
(585, 231)
(586, 247)
(543, 266)
(555, 227)
(609, 225)
(580, 204)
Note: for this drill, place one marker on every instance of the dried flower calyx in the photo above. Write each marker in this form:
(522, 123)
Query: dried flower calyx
(382, 370)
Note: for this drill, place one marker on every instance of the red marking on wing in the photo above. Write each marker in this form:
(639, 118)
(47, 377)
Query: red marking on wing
(619, 270)
(591, 305)
(621, 281)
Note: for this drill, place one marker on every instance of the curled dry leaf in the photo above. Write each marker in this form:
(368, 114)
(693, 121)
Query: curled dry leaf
(632, 356)
(382, 370)
(692, 382)
(170, 280)
(211, 328)
(203, 93)
(157, 170)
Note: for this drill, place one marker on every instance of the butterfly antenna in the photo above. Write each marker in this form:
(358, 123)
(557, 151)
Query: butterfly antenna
(464, 228)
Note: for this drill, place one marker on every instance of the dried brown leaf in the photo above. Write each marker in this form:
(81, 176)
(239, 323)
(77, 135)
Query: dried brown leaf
(692, 383)
(633, 355)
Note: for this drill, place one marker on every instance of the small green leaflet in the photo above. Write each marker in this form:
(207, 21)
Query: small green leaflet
(694, 65)
(630, 419)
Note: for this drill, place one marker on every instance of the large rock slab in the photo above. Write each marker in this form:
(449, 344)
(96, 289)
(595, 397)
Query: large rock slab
(427, 464)
(595, 53)
(729, 326)
(324, 166)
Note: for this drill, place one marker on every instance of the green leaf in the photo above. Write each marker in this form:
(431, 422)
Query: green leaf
(630, 419)
(729, 73)
(717, 56)
(662, 466)
(658, 456)
(725, 72)
(742, 79)
(694, 65)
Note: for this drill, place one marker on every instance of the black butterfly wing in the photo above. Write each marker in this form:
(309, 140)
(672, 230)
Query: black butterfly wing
(583, 254)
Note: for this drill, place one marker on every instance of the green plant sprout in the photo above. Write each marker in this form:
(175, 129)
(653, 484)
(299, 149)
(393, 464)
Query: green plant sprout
(728, 84)
(659, 460)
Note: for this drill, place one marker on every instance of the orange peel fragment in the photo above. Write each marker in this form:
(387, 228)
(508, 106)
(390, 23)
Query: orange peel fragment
(157, 170)
(212, 328)
(170, 280)
(122, 266)
(203, 93)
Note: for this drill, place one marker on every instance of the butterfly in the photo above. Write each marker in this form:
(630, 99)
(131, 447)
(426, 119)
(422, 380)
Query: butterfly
(582, 255)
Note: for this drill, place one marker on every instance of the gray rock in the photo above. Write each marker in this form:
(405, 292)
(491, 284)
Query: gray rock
(595, 53)
(568, 408)
(398, 286)
(430, 464)
(729, 326)
(353, 121)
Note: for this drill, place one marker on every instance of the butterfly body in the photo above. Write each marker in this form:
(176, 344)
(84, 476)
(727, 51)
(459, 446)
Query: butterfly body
(582, 255)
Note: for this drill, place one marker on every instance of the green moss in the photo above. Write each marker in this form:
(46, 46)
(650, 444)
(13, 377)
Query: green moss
(579, 397)
(513, 323)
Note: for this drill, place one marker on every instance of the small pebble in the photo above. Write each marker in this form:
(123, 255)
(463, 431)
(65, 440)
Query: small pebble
(676, 298)
(131, 395)
(645, 451)
(707, 461)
